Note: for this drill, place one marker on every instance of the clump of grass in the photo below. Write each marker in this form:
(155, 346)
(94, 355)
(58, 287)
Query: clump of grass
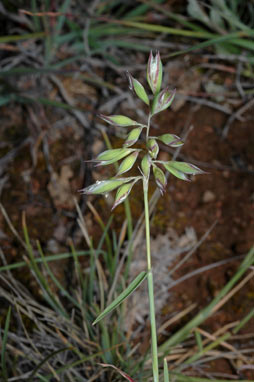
(54, 338)
(225, 17)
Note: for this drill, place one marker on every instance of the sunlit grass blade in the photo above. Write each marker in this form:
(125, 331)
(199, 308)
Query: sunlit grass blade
(231, 37)
(63, 290)
(60, 256)
(158, 28)
(199, 341)
(207, 348)
(25, 36)
(165, 371)
(105, 342)
(3, 345)
(126, 293)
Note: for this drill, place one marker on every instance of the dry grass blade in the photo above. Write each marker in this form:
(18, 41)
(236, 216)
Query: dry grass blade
(176, 318)
(12, 228)
(232, 292)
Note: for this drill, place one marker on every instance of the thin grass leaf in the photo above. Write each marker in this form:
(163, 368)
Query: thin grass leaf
(126, 293)
(127, 44)
(16, 38)
(62, 18)
(105, 237)
(196, 11)
(49, 356)
(165, 371)
(43, 379)
(4, 343)
(199, 340)
(207, 348)
(183, 333)
(186, 378)
(70, 366)
(105, 340)
(123, 374)
(48, 294)
(107, 255)
(58, 257)
(164, 29)
(54, 279)
(44, 101)
(233, 38)
(212, 38)
(115, 256)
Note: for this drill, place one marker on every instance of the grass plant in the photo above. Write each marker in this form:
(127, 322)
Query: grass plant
(162, 99)
(56, 338)
(53, 338)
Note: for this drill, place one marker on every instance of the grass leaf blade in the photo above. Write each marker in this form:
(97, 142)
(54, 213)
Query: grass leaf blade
(4, 342)
(126, 293)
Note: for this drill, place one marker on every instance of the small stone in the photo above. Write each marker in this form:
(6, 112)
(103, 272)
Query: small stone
(97, 147)
(208, 196)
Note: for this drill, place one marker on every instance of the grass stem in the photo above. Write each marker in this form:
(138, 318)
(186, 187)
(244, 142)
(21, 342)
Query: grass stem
(150, 288)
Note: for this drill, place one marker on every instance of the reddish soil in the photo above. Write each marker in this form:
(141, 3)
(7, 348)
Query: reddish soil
(225, 195)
